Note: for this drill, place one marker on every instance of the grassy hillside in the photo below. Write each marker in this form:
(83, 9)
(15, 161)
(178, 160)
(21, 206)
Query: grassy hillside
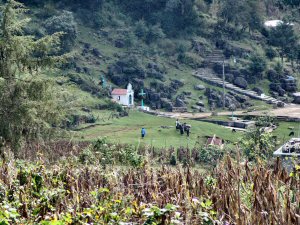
(158, 50)
(127, 130)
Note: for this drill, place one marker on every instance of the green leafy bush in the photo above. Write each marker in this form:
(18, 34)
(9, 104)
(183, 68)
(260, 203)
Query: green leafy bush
(64, 22)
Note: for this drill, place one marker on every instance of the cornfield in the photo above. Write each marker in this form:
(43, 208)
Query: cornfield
(67, 192)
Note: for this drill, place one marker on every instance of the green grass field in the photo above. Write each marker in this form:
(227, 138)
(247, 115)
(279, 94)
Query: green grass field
(127, 130)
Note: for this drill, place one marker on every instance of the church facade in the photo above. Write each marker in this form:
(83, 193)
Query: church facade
(124, 97)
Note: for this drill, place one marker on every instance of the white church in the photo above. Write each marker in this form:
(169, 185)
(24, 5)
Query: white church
(124, 97)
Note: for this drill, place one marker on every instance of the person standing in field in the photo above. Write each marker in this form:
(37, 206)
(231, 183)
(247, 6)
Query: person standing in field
(177, 124)
(188, 131)
(143, 132)
(181, 128)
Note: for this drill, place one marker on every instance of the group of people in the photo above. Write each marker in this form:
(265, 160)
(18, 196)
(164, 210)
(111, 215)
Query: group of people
(183, 128)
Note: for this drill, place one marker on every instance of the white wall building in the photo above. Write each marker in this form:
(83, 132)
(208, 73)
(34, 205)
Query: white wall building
(124, 96)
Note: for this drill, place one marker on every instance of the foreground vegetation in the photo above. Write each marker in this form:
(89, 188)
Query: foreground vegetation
(78, 191)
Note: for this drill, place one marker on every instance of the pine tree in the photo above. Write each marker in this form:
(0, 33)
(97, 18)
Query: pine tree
(28, 110)
(285, 38)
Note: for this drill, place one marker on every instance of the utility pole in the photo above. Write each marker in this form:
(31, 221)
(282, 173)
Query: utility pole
(223, 83)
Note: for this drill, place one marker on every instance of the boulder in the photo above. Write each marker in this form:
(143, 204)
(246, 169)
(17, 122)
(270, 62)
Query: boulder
(241, 82)
(199, 87)
(86, 70)
(187, 93)
(199, 108)
(177, 83)
(86, 109)
(119, 43)
(258, 90)
(96, 53)
(154, 66)
(155, 74)
(179, 103)
(242, 98)
(232, 107)
(137, 83)
(87, 46)
(200, 103)
(280, 104)
(167, 104)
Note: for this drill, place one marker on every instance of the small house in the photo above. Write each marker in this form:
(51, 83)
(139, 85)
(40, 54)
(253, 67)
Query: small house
(215, 141)
(124, 97)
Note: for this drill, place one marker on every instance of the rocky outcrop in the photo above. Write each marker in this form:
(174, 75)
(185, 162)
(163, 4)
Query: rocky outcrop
(179, 102)
(277, 88)
(289, 84)
(258, 90)
(199, 87)
(199, 108)
(119, 43)
(241, 82)
(233, 101)
(167, 104)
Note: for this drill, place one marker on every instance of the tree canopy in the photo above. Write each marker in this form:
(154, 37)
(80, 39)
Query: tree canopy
(28, 110)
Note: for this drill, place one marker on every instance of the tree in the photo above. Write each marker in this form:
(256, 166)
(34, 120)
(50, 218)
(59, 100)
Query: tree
(284, 37)
(246, 13)
(28, 110)
(257, 66)
(63, 23)
(179, 15)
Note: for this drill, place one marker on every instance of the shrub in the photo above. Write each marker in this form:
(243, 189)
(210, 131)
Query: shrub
(173, 160)
(189, 59)
(210, 154)
(87, 156)
(155, 33)
(257, 66)
(110, 105)
(273, 75)
(84, 82)
(130, 39)
(271, 53)
(141, 29)
(64, 22)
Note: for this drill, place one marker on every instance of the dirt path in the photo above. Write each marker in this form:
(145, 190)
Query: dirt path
(291, 111)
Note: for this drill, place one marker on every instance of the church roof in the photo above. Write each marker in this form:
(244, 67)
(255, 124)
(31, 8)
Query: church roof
(119, 92)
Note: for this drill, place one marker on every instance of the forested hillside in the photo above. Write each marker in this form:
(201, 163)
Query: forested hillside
(157, 44)
(70, 154)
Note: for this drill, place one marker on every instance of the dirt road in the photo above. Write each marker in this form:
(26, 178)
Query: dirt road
(291, 111)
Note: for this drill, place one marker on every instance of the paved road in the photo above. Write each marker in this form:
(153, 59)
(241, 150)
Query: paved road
(290, 112)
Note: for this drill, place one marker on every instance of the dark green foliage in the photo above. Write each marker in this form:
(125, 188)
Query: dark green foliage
(110, 105)
(210, 154)
(189, 59)
(174, 15)
(84, 82)
(258, 144)
(284, 37)
(178, 16)
(154, 33)
(271, 53)
(141, 29)
(25, 95)
(243, 12)
(257, 66)
(173, 160)
(293, 3)
(105, 154)
(63, 23)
